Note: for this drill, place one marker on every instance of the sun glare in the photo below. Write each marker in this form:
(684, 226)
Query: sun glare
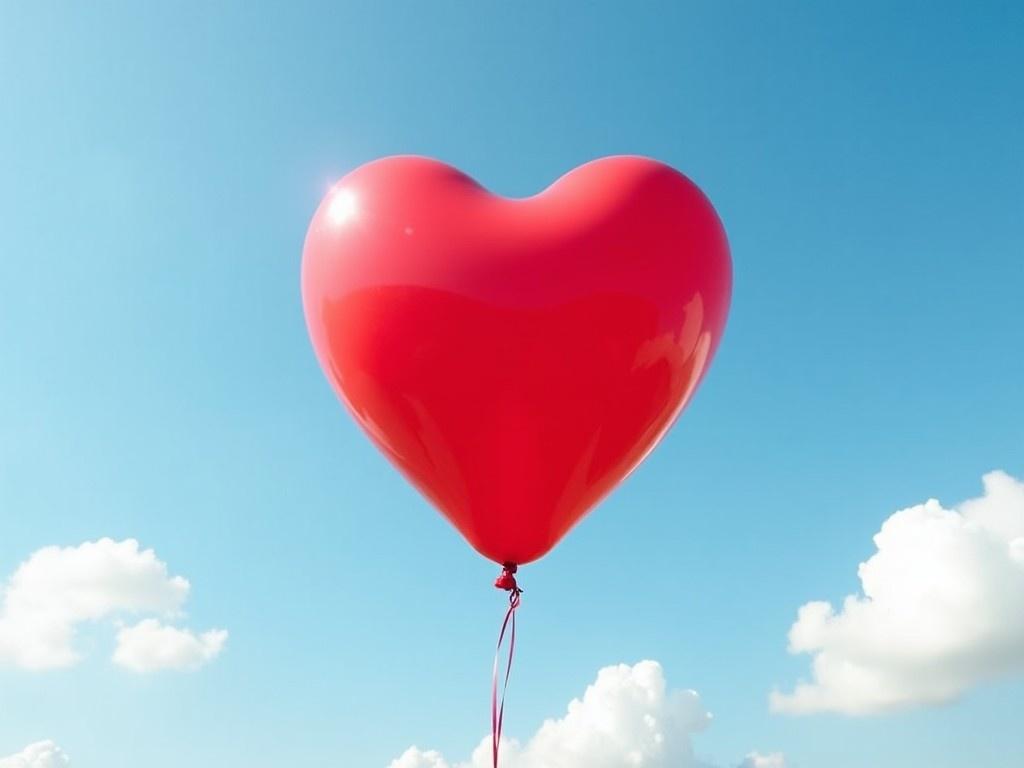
(342, 207)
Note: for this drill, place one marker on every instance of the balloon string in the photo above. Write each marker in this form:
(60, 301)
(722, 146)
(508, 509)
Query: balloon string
(506, 581)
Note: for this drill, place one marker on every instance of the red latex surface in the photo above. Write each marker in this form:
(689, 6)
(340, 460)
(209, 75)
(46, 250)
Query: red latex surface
(515, 359)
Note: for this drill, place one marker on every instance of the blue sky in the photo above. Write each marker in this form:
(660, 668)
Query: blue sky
(158, 167)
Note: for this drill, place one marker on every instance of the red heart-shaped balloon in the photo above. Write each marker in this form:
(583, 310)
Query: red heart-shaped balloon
(515, 359)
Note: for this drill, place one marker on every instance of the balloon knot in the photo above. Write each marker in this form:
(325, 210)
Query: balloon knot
(507, 580)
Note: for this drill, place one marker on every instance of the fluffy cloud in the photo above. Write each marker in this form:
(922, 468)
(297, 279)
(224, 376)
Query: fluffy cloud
(626, 718)
(942, 610)
(43, 754)
(150, 645)
(414, 758)
(757, 760)
(57, 589)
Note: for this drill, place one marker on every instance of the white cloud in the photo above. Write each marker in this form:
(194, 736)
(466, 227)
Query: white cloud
(149, 646)
(757, 760)
(942, 610)
(57, 589)
(43, 754)
(414, 758)
(626, 719)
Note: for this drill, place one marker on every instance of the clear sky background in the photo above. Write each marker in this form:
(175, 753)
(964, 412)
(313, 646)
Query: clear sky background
(159, 163)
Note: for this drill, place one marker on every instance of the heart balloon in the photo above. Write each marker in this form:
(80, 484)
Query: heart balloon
(515, 358)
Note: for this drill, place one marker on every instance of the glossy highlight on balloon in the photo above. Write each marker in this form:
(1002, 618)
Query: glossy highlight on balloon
(515, 359)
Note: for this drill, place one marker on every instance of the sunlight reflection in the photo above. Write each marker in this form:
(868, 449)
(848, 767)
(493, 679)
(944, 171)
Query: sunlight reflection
(343, 207)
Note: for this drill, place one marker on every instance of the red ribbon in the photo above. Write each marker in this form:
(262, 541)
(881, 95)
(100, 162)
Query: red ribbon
(506, 581)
